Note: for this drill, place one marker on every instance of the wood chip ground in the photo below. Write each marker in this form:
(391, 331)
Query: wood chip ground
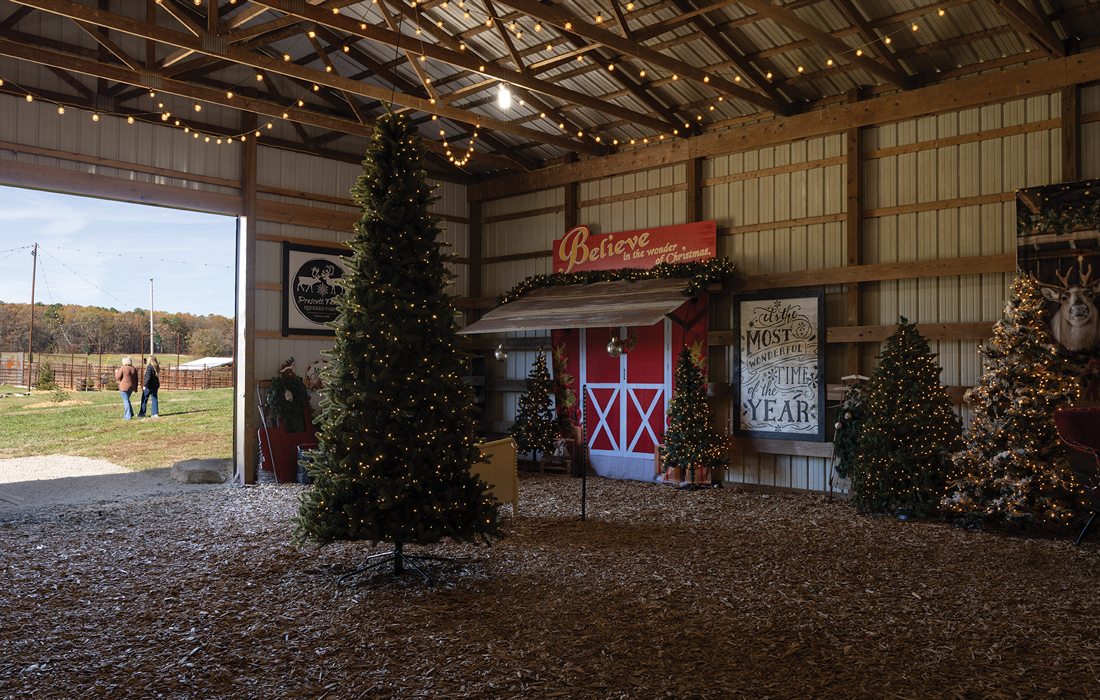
(660, 593)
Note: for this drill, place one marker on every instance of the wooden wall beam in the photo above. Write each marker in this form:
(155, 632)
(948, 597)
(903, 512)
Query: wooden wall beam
(948, 267)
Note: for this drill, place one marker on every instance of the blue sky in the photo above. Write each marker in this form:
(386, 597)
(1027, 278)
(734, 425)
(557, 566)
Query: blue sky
(102, 253)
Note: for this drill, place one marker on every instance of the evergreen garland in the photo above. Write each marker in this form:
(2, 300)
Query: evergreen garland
(535, 428)
(1014, 469)
(701, 274)
(397, 436)
(849, 421)
(288, 398)
(1063, 220)
(690, 440)
(909, 432)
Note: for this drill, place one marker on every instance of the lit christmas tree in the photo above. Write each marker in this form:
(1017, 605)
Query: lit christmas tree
(909, 431)
(535, 426)
(691, 442)
(1014, 468)
(397, 436)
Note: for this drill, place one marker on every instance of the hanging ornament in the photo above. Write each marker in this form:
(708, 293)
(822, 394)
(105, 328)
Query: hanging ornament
(500, 354)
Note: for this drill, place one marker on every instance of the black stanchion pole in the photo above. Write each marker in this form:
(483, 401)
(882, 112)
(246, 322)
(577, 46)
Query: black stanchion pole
(584, 449)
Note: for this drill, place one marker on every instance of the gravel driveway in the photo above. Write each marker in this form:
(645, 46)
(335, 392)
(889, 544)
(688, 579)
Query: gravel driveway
(31, 482)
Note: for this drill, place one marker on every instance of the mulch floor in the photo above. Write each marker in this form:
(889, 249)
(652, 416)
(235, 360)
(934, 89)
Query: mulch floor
(659, 593)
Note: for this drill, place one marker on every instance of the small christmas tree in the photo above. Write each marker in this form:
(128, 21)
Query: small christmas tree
(909, 432)
(397, 435)
(849, 422)
(535, 427)
(1014, 468)
(690, 441)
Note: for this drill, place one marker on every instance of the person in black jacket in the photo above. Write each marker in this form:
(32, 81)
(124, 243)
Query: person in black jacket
(152, 385)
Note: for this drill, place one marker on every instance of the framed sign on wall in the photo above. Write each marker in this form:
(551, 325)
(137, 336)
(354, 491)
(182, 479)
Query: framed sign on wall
(781, 364)
(310, 288)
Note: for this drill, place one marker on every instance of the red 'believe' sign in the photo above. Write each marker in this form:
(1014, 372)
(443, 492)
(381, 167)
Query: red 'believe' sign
(579, 250)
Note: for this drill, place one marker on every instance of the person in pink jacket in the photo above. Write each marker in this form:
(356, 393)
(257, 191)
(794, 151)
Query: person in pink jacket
(127, 378)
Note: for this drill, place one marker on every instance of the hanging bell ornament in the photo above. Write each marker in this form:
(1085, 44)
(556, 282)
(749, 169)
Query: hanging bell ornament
(615, 346)
(500, 353)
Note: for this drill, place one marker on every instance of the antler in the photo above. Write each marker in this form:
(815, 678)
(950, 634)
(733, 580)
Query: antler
(1064, 279)
(1081, 273)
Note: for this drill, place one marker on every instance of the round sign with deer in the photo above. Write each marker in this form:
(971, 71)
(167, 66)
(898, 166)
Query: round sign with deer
(316, 288)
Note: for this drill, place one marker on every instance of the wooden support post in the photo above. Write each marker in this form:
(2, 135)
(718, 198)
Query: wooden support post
(476, 253)
(245, 419)
(1071, 131)
(694, 197)
(572, 204)
(853, 235)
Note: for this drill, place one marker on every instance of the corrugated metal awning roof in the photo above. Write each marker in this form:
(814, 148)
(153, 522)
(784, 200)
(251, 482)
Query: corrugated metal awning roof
(595, 305)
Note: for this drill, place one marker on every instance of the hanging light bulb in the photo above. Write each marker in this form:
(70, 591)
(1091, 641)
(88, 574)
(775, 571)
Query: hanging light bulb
(504, 97)
(615, 346)
(500, 354)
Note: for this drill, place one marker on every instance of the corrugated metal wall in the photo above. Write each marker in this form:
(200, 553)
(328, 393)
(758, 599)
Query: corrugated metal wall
(933, 188)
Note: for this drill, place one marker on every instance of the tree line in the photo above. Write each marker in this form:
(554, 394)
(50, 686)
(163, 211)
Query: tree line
(72, 328)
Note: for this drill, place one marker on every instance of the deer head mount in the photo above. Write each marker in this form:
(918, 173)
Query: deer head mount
(1076, 324)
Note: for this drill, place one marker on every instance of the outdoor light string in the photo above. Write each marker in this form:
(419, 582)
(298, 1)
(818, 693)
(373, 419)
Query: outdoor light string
(129, 256)
(62, 264)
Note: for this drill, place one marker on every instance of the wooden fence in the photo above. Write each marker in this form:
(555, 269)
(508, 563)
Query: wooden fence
(95, 377)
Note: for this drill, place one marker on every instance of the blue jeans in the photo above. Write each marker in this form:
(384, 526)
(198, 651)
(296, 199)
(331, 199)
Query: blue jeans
(129, 410)
(147, 394)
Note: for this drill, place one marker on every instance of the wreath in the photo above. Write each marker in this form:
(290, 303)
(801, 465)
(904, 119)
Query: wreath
(288, 398)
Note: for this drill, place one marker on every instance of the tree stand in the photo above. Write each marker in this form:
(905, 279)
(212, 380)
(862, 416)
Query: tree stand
(375, 563)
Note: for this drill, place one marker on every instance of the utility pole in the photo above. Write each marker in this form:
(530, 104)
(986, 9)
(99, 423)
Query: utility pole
(30, 335)
(150, 316)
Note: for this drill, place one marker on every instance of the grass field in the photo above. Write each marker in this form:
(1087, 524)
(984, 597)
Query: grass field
(192, 425)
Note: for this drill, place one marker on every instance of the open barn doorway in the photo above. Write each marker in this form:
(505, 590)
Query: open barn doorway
(86, 286)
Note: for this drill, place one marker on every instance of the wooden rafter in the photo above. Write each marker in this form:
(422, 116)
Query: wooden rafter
(790, 20)
(867, 33)
(208, 45)
(727, 49)
(1030, 27)
(464, 60)
(560, 18)
(101, 38)
(331, 67)
(116, 73)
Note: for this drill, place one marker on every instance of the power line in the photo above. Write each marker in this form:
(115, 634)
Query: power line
(121, 304)
(15, 250)
(142, 257)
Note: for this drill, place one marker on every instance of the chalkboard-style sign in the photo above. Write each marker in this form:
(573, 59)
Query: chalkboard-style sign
(781, 370)
(311, 286)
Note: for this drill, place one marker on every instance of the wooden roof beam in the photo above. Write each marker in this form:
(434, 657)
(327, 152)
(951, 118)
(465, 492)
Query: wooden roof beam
(731, 52)
(331, 67)
(462, 59)
(101, 38)
(567, 22)
(211, 46)
(121, 74)
(867, 33)
(1030, 27)
(788, 19)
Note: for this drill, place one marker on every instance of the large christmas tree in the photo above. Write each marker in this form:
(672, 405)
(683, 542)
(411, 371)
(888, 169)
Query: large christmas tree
(691, 442)
(1014, 468)
(908, 433)
(397, 436)
(535, 427)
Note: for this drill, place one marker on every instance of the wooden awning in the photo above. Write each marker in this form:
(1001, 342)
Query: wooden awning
(596, 305)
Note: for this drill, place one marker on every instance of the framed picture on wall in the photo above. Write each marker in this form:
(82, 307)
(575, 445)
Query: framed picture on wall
(780, 364)
(311, 277)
